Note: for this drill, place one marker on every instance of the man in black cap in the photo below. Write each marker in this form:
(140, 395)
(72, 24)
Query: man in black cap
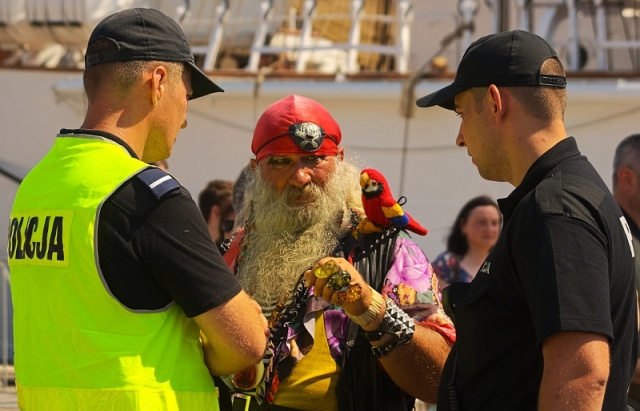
(626, 191)
(122, 300)
(549, 321)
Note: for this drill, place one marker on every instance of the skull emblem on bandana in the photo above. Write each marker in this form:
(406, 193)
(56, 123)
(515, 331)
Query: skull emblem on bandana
(307, 136)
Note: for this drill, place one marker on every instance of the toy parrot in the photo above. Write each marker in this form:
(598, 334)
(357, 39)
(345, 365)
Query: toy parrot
(381, 208)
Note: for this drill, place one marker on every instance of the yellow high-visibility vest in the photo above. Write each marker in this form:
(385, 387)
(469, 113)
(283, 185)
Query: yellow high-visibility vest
(76, 347)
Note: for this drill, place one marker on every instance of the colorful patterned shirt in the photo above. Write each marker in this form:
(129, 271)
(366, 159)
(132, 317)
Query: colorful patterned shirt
(410, 282)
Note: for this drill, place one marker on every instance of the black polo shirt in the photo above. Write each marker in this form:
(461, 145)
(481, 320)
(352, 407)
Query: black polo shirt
(154, 248)
(562, 263)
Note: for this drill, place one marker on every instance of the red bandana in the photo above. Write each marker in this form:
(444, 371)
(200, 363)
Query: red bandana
(295, 125)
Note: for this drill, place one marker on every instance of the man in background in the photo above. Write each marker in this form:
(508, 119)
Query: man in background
(626, 191)
(216, 204)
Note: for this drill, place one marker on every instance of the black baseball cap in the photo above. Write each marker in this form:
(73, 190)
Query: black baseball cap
(511, 58)
(148, 34)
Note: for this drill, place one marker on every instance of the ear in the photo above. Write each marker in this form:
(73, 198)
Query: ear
(214, 213)
(340, 153)
(497, 101)
(253, 163)
(627, 179)
(159, 78)
(461, 223)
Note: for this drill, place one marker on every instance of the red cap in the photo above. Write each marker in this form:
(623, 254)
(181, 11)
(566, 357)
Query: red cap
(295, 125)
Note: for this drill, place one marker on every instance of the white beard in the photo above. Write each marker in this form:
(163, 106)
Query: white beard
(282, 241)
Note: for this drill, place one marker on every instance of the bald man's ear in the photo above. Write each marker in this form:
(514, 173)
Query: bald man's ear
(626, 178)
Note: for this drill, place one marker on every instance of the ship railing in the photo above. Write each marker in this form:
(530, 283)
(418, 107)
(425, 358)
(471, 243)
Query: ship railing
(400, 20)
(604, 15)
(283, 31)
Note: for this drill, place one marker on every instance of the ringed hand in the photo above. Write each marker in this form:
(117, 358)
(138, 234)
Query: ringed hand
(338, 282)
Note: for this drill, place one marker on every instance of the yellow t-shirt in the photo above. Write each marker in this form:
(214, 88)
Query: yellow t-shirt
(311, 386)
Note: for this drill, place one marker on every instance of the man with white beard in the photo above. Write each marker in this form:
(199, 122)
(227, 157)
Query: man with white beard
(356, 319)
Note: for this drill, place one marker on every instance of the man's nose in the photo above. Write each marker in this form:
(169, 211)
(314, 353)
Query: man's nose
(301, 176)
(460, 139)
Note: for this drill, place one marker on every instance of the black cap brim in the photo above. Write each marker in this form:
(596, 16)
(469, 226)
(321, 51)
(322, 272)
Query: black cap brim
(443, 97)
(201, 84)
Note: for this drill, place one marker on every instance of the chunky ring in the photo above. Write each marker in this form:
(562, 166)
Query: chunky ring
(350, 294)
(327, 269)
(339, 280)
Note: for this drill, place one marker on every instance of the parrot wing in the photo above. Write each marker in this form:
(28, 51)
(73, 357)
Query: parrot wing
(394, 211)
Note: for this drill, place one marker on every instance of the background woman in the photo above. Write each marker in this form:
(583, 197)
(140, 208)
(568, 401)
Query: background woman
(473, 234)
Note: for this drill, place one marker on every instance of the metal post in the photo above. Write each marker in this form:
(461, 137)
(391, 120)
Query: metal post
(354, 36)
(306, 35)
(266, 7)
(222, 12)
(523, 13)
(573, 46)
(467, 10)
(601, 35)
(403, 35)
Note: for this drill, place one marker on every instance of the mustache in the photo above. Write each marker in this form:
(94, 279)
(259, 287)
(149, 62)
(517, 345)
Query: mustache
(310, 193)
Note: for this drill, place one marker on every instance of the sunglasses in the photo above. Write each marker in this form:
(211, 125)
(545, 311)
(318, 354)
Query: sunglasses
(227, 225)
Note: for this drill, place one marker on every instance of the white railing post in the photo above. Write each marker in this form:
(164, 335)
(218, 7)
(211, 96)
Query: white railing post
(523, 14)
(573, 46)
(215, 39)
(266, 7)
(305, 36)
(601, 35)
(354, 36)
(403, 35)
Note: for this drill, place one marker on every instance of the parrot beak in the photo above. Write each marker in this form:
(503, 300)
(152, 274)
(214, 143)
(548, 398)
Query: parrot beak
(364, 180)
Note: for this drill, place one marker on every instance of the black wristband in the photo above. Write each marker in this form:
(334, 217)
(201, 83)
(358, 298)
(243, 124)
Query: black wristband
(396, 322)
(384, 349)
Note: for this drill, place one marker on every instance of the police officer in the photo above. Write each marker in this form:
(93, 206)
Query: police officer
(114, 274)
